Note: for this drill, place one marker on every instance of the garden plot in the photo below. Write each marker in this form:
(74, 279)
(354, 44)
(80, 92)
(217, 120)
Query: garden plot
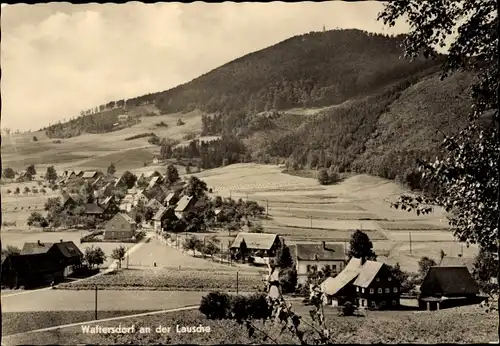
(308, 234)
(321, 214)
(172, 279)
(323, 224)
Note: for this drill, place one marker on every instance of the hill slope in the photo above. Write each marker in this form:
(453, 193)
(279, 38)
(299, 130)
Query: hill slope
(344, 98)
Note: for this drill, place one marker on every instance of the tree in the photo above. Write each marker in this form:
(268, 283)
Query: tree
(118, 254)
(53, 205)
(468, 174)
(243, 250)
(360, 246)
(94, 256)
(31, 171)
(111, 169)
(87, 192)
(172, 175)
(284, 257)
(323, 177)
(192, 243)
(35, 139)
(51, 174)
(11, 250)
(35, 218)
(196, 187)
(424, 265)
(188, 168)
(129, 179)
(9, 173)
(17, 191)
(442, 255)
(485, 268)
(26, 189)
(407, 284)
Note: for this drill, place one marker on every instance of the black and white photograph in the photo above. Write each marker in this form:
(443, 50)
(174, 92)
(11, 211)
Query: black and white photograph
(250, 173)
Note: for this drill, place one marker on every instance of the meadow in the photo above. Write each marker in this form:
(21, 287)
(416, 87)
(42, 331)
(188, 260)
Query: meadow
(459, 325)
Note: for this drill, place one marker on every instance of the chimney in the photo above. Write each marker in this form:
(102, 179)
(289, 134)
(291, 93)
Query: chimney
(39, 243)
(60, 240)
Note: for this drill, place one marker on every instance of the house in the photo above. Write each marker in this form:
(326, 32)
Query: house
(162, 215)
(121, 226)
(140, 196)
(123, 118)
(217, 212)
(30, 270)
(67, 253)
(79, 174)
(184, 205)
(154, 182)
(458, 262)
(120, 182)
(154, 204)
(376, 287)
(447, 286)
(89, 175)
(125, 206)
(321, 255)
(109, 208)
(340, 289)
(261, 244)
(92, 209)
(67, 201)
(148, 175)
(171, 199)
(157, 160)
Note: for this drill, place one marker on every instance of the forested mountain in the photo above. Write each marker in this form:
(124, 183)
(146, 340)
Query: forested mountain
(381, 111)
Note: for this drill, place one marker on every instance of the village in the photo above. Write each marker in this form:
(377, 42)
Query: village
(183, 214)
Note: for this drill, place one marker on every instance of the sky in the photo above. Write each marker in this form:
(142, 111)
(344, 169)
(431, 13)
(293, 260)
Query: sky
(58, 58)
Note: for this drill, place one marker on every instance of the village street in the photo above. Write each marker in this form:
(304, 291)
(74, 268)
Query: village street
(107, 300)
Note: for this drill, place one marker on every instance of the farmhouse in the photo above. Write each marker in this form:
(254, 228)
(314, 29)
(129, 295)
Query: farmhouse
(140, 196)
(184, 205)
(340, 289)
(120, 227)
(30, 270)
(123, 118)
(109, 208)
(319, 256)
(376, 287)
(447, 286)
(67, 253)
(92, 209)
(261, 244)
(458, 262)
(148, 175)
(162, 215)
(155, 181)
(171, 199)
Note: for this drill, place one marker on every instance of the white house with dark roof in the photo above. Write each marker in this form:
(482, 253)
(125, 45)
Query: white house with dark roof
(149, 174)
(262, 244)
(308, 256)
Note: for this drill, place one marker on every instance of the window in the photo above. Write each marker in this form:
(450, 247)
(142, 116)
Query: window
(389, 279)
(394, 302)
(308, 268)
(113, 226)
(334, 268)
(362, 302)
(372, 291)
(357, 289)
(380, 290)
(123, 226)
(395, 290)
(387, 290)
(327, 267)
(378, 279)
(362, 290)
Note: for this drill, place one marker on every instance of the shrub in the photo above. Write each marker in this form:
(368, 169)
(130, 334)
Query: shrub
(9, 191)
(180, 122)
(288, 280)
(348, 309)
(161, 124)
(140, 135)
(216, 306)
(155, 140)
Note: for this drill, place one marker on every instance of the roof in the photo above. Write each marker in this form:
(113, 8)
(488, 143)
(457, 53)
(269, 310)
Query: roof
(153, 202)
(452, 280)
(67, 248)
(217, 211)
(159, 214)
(183, 204)
(367, 274)
(332, 286)
(259, 241)
(149, 174)
(93, 209)
(319, 252)
(458, 262)
(123, 116)
(169, 197)
(106, 201)
(126, 218)
(31, 263)
(78, 172)
(89, 174)
(153, 181)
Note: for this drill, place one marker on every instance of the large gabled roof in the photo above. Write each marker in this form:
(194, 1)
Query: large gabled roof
(368, 273)
(258, 241)
(183, 204)
(320, 252)
(92, 208)
(67, 248)
(448, 281)
(89, 174)
(332, 286)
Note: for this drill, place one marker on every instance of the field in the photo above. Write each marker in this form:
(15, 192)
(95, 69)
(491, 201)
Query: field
(460, 325)
(95, 151)
(173, 279)
(302, 210)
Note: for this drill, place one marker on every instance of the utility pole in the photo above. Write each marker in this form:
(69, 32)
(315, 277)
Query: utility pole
(267, 208)
(498, 156)
(311, 221)
(409, 234)
(204, 245)
(237, 281)
(127, 261)
(221, 252)
(95, 308)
